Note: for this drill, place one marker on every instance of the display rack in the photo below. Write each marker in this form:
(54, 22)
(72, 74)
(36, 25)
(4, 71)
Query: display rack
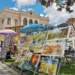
(60, 58)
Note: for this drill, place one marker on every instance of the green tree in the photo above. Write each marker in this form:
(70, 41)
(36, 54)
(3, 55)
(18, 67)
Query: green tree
(53, 63)
(67, 4)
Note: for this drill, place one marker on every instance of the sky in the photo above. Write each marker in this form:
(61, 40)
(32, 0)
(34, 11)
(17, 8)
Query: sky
(25, 5)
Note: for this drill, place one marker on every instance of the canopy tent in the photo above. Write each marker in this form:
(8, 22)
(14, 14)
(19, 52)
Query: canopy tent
(33, 28)
(7, 31)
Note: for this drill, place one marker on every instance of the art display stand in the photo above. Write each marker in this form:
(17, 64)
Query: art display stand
(59, 57)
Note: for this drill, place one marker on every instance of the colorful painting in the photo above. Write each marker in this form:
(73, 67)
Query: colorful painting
(49, 65)
(32, 45)
(20, 64)
(54, 49)
(39, 47)
(24, 52)
(26, 65)
(29, 37)
(58, 34)
(29, 56)
(34, 59)
(22, 39)
(26, 45)
(42, 36)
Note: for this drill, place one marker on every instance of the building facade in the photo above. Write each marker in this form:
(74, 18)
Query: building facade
(16, 19)
(69, 21)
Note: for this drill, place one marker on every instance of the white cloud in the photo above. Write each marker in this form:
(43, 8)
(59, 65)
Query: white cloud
(58, 17)
(24, 2)
(42, 15)
(14, 8)
(24, 10)
(30, 9)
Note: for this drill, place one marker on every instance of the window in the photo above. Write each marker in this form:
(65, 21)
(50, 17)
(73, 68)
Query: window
(24, 21)
(15, 21)
(35, 22)
(30, 13)
(8, 20)
(30, 21)
(46, 25)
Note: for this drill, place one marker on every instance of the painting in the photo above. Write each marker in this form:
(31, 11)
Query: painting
(39, 47)
(26, 65)
(32, 45)
(20, 64)
(49, 65)
(29, 37)
(29, 56)
(54, 49)
(58, 34)
(42, 36)
(34, 60)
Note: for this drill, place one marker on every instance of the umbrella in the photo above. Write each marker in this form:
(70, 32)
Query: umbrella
(7, 31)
(33, 28)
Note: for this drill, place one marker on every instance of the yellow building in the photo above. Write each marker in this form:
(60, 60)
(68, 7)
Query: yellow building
(16, 19)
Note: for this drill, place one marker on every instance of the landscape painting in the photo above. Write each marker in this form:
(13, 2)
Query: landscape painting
(49, 65)
(29, 56)
(58, 34)
(54, 49)
(29, 37)
(42, 36)
(39, 47)
(32, 45)
(34, 60)
(20, 64)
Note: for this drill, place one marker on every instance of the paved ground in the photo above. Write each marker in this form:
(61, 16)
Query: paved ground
(5, 70)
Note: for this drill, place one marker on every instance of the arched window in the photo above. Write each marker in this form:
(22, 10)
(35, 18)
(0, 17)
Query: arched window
(24, 21)
(46, 25)
(30, 21)
(36, 22)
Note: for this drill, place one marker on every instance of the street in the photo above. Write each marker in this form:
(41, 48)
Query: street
(5, 70)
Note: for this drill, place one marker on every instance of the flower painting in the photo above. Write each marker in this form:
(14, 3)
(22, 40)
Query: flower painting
(53, 49)
(48, 65)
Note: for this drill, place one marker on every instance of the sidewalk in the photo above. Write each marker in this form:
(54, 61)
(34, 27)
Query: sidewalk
(5, 70)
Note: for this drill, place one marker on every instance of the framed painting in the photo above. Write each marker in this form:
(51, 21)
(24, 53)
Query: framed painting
(58, 34)
(34, 60)
(53, 49)
(49, 65)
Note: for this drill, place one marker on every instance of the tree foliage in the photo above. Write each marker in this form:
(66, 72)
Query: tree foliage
(60, 4)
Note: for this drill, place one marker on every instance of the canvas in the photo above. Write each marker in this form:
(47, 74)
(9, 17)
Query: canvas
(32, 45)
(39, 46)
(34, 60)
(54, 49)
(42, 36)
(48, 65)
(29, 56)
(20, 64)
(26, 65)
(58, 34)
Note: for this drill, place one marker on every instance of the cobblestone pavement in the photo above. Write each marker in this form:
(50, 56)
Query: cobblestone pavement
(5, 70)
